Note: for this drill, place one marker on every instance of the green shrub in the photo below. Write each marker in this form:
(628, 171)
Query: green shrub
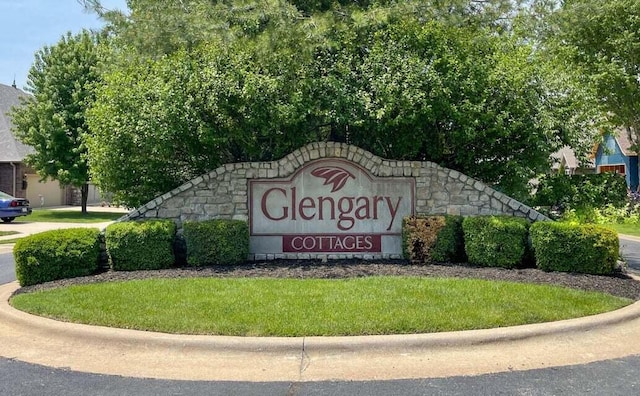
(140, 245)
(629, 214)
(570, 247)
(581, 191)
(57, 254)
(585, 215)
(610, 214)
(216, 242)
(496, 241)
(450, 244)
(433, 238)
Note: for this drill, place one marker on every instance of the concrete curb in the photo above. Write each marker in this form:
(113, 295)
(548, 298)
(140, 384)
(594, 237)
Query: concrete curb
(156, 355)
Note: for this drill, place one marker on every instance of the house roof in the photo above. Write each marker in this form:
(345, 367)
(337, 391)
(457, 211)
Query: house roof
(11, 149)
(622, 137)
(567, 158)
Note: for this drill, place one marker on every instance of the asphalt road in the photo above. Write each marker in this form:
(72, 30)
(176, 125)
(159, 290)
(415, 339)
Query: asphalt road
(630, 250)
(612, 377)
(7, 268)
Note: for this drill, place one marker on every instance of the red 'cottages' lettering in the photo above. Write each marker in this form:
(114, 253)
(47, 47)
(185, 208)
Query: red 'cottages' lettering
(345, 209)
(331, 243)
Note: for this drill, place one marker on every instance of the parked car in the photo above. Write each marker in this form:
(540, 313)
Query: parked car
(11, 207)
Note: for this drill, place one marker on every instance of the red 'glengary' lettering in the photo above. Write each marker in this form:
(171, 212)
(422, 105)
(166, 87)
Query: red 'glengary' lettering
(345, 209)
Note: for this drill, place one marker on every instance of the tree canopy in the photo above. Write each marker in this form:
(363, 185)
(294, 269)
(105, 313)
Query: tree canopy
(207, 82)
(53, 121)
(601, 41)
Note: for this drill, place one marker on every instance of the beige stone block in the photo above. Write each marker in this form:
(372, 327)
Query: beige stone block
(211, 209)
(459, 200)
(219, 199)
(226, 209)
(453, 210)
(168, 213)
(469, 210)
(238, 199)
(174, 203)
(385, 171)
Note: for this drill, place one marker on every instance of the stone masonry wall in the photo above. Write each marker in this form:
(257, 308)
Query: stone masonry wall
(223, 193)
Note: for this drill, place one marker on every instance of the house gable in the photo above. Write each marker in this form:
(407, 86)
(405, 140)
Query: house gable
(11, 149)
(614, 154)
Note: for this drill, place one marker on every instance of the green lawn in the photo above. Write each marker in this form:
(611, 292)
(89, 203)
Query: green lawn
(5, 233)
(8, 241)
(627, 229)
(69, 216)
(305, 307)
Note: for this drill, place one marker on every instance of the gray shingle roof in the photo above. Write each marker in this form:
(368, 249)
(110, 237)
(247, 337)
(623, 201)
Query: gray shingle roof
(11, 149)
(624, 141)
(567, 157)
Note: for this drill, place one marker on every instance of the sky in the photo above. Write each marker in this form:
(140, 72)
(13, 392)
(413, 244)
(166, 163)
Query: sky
(28, 25)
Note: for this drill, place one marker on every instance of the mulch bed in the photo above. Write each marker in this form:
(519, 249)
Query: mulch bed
(619, 284)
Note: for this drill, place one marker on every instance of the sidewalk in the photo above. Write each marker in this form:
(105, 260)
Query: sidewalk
(629, 237)
(24, 227)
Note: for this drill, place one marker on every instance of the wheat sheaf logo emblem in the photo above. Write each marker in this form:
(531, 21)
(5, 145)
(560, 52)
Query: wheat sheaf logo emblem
(333, 175)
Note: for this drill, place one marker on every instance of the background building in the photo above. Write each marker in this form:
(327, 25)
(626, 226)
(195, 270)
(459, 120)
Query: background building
(614, 154)
(18, 179)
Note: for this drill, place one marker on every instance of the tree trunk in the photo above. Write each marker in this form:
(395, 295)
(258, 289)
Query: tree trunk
(85, 195)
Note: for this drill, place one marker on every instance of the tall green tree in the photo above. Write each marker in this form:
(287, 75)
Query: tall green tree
(154, 28)
(61, 80)
(601, 41)
(448, 81)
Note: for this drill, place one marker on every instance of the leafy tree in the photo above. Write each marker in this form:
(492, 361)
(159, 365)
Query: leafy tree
(160, 27)
(445, 94)
(451, 83)
(158, 123)
(149, 131)
(601, 40)
(561, 192)
(61, 80)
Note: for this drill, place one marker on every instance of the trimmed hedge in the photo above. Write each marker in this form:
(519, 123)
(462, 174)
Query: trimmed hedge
(569, 247)
(496, 241)
(57, 254)
(428, 239)
(216, 242)
(140, 245)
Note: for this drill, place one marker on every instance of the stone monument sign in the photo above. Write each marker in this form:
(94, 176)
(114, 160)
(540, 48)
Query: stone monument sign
(328, 200)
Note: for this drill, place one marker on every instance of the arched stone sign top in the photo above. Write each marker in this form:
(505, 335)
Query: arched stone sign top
(329, 200)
